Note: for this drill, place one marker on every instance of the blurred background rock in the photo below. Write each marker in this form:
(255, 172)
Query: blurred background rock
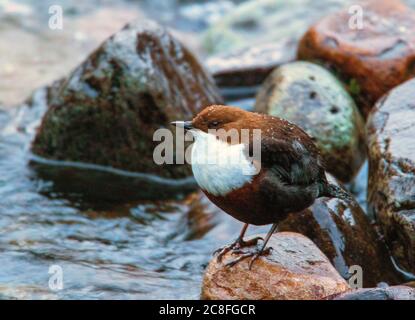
(32, 55)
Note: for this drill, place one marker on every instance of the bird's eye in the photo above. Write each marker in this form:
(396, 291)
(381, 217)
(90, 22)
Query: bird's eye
(214, 124)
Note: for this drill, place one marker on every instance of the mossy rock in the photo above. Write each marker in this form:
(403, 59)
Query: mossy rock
(312, 98)
(106, 111)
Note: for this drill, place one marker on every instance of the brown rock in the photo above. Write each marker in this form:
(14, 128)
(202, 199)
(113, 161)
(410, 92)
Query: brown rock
(372, 59)
(342, 231)
(295, 269)
(388, 293)
(107, 110)
(391, 192)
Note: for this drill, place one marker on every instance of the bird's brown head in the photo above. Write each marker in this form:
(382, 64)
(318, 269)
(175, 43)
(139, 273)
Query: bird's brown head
(219, 118)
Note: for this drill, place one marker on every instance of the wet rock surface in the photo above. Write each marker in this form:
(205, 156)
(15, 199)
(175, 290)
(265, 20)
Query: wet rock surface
(107, 110)
(311, 97)
(391, 192)
(388, 293)
(249, 67)
(141, 249)
(372, 58)
(343, 233)
(295, 269)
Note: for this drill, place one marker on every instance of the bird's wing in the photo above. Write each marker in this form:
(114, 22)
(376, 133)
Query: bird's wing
(292, 161)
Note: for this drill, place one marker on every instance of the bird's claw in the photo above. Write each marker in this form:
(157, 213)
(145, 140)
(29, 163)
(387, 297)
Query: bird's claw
(255, 255)
(236, 247)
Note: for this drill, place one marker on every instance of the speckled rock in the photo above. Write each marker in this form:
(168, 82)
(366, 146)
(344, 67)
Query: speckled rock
(312, 98)
(391, 193)
(264, 21)
(295, 269)
(388, 293)
(108, 108)
(371, 59)
(342, 231)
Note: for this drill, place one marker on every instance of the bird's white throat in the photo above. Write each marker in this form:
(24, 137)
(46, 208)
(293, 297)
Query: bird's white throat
(219, 167)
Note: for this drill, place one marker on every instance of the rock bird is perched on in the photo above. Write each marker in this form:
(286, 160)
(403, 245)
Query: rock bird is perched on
(286, 177)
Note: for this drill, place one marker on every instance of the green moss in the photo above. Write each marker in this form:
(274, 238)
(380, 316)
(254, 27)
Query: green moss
(354, 87)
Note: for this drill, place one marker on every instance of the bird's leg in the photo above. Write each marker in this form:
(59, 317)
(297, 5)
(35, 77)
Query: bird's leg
(237, 244)
(255, 254)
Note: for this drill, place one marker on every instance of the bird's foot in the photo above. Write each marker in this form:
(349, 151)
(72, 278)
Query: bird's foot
(236, 246)
(244, 255)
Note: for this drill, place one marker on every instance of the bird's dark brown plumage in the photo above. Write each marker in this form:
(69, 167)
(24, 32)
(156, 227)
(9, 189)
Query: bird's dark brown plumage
(292, 175)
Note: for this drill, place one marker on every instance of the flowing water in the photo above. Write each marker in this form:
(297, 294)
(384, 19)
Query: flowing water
(108, 247)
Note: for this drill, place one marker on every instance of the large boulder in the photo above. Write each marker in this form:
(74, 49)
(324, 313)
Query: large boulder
(309, 96)
(342, 231)
(295, 269)
(108, 108)
(371, 58)
(391, 193)
(388, 293)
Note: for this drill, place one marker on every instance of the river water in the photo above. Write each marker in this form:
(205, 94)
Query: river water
(106, 249)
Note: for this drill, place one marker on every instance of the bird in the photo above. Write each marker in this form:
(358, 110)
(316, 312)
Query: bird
(285, 177)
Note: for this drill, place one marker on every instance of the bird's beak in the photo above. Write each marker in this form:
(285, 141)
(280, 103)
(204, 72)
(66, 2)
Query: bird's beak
(187, 125)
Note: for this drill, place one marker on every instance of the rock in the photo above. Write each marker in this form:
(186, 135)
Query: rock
(343, 233)
(391, 192)
(312, 98)
(97, 184)
(108, 108)
(90, 182)
(388, 293)
(239, 72)
(295, 269)
(371, 59)
(264, 21)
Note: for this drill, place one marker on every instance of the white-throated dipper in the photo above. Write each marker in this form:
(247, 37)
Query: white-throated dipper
(286, 177)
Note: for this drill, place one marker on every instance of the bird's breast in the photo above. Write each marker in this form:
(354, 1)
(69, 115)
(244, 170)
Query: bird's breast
(219, 167)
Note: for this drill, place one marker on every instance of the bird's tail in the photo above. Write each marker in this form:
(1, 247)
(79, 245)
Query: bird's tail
(333, 191)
